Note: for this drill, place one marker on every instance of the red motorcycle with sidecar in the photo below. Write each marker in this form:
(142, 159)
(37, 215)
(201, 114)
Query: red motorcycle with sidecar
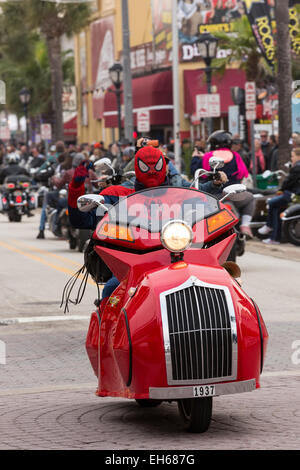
(179, 327)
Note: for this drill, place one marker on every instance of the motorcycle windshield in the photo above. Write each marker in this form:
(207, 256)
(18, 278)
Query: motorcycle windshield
(152, 208)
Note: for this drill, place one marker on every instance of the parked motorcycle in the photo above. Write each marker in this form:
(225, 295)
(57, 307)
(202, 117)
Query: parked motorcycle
(261, 198)
(291, 222)
(59, 223)
(179, 327)
(16, 197)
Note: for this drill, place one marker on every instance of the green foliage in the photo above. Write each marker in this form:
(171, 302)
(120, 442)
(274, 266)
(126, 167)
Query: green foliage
(24, 57)
(242, 49)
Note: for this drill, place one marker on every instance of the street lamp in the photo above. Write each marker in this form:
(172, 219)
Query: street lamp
(116, 76)
(24, 96)
(207, 45)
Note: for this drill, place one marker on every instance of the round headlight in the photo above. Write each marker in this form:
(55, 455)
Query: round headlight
(176, 236)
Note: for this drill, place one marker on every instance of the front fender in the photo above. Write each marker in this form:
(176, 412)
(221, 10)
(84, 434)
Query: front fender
(291, 212)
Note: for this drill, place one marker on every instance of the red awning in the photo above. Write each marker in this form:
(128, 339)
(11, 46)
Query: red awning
(152, 92)
(195, 84)
(70, 127)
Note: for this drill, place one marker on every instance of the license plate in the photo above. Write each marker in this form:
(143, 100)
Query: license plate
(17, 193)
(204, 391)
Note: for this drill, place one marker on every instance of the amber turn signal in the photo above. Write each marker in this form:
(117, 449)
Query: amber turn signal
(215, 222)
(118, 232)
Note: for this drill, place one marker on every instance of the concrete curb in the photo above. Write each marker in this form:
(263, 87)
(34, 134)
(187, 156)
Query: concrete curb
(284, 250)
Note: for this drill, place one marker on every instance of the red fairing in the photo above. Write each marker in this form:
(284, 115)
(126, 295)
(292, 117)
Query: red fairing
(164, 303)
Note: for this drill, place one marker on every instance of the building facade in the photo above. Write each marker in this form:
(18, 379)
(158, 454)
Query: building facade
(99, 45)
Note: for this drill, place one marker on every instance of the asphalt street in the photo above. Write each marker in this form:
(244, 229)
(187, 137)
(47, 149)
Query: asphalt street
(47, 386)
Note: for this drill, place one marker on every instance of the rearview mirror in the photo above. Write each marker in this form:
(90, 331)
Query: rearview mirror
(234, 192)
(266, 174)
(87, 202)
(216, 163)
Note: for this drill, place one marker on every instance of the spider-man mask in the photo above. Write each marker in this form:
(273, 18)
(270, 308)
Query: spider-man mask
(150, 167)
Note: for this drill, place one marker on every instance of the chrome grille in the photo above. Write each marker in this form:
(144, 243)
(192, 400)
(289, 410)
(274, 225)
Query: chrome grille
(200, 334)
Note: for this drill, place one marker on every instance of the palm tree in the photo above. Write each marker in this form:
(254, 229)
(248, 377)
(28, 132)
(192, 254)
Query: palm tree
(52, 20)
(242, 49)
(284, 79)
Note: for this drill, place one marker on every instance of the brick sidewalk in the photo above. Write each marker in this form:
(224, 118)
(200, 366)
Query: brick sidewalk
(75, 419)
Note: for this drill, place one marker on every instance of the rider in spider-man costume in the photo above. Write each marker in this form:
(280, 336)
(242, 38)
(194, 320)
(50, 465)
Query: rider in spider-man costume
(150, 170)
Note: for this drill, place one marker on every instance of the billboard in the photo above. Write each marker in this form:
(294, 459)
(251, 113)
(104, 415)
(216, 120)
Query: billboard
(102, 42)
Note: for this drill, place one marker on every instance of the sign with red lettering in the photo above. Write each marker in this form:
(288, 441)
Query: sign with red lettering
(143, 120)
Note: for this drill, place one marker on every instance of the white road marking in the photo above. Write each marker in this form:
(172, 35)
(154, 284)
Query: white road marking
(9, 321)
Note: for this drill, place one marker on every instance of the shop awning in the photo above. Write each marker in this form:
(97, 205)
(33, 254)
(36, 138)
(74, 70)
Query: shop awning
(151, 92)
(195, 84)
(70, 125)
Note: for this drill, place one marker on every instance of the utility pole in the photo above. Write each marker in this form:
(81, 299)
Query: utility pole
(175, 74)
(284, 79)
(127, 81)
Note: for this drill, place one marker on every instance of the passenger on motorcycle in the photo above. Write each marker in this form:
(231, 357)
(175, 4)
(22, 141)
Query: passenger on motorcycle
(150, 170)
(220, 143)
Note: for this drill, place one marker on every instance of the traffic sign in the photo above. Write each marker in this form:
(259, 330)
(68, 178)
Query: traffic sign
(251, 114)
(46, 131)
(143, 120)
(208, 106)
(250, 95)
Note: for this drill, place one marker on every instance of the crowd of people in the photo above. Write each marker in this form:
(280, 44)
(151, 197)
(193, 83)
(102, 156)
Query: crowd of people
(64, 159)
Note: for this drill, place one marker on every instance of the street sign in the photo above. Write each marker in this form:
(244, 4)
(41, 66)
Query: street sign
(234, 119)
(208, 106)
(143, 121)
(250, 100)
(4, 132)
(46, 132)
(251, 114)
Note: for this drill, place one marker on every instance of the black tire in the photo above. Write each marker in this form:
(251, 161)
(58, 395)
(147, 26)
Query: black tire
(14, 217)
(195, 413)
(148, 403)
(72, 243)
(291, 231)
(232, 254)
(81, 245)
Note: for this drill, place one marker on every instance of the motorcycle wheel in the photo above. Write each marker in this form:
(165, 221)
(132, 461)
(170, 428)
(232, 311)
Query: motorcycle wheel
(72, 243)
(145, 403)
(14, 217)
(232, 255)
(291, 231)
(196, 413)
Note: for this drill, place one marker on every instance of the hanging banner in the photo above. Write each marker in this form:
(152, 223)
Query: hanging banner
(258, 13)
(102, 39)
(294, 25)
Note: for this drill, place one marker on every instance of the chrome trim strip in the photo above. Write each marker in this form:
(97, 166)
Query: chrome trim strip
(192, 282)
(177, 393)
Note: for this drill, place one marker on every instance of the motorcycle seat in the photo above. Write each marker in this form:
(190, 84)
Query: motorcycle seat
(263, 192)
(17, 179)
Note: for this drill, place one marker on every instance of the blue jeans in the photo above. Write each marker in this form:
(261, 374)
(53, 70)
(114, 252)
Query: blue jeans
(276, 206)
(109, 287)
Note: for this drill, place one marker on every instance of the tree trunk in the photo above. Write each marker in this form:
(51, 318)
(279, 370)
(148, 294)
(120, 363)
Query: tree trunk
(54, 52)
(284, 80)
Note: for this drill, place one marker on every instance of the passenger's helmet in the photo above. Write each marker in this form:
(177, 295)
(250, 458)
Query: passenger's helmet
(13, 157)
(219, 139)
